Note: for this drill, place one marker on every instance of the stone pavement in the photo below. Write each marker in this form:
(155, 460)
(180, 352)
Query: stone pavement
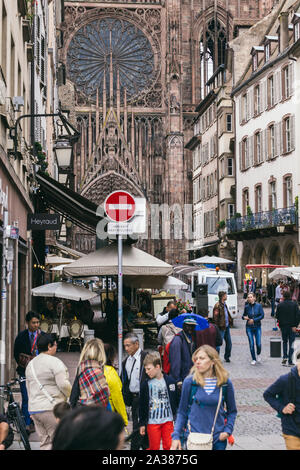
(257, 426)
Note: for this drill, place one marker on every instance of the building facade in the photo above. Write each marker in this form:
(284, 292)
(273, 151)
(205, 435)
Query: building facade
(27, 65)
(213, 140)
(149, 62)
(266, 119)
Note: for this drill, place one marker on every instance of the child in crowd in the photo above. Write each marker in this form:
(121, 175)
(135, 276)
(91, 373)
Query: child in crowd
(60, 410)
(158, 404)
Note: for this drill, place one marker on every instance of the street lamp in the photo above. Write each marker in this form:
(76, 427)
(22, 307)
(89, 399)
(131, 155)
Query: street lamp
(63, 151)
(280, 228)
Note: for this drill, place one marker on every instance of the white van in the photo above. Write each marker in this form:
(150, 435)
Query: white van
(216, 282)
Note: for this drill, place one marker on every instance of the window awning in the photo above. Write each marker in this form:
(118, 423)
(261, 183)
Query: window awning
(68, 203)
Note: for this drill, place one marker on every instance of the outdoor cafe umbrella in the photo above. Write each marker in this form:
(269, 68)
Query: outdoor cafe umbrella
(293, 272)
(63, 290)
(211, 260)
(104, 262)
(202, 323)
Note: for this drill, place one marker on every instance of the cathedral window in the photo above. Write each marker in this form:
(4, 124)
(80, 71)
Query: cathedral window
(212, 52)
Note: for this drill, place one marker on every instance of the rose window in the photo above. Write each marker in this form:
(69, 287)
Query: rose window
(89, 56)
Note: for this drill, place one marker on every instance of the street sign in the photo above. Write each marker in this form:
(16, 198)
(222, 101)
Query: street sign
(119, 206)
(43, 222)
(123, 228)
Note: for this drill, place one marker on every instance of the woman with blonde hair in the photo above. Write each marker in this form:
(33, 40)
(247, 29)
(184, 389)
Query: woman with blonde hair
(204, 393)
(90, 386)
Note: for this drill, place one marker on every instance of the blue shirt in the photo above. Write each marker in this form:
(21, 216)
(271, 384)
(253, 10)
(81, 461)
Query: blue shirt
(202, 412)
(226, 315)
(159, 404)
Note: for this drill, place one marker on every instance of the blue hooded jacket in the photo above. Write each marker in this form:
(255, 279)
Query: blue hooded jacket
(277, 395)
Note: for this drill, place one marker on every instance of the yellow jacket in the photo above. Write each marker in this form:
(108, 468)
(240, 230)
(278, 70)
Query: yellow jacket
(115, 387)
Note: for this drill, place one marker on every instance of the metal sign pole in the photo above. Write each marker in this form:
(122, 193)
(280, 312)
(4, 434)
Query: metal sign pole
(120, 302)
(3, 308)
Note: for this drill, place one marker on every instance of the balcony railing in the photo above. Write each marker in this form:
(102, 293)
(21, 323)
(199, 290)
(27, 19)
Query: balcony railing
(263, 220)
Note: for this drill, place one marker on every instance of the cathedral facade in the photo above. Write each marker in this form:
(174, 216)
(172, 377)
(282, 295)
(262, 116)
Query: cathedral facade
(135, 72)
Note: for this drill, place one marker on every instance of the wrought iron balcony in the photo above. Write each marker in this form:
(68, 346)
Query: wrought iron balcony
(262, 223)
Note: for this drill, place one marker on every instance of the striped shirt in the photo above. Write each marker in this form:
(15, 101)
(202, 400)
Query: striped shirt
(210, 385)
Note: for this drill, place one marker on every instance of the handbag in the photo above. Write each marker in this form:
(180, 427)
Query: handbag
(203, 441)
(24, 359)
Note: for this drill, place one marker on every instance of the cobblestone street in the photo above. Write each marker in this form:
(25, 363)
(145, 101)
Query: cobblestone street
(257, 426)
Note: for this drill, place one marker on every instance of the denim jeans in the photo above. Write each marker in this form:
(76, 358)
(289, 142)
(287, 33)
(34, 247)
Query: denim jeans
(272, 307)
(24, 394)
(220, 445)
(252, 333)
(288, 336)
(228, 344)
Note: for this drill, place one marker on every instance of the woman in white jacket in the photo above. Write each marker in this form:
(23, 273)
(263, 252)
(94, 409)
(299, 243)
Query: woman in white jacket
(47, 382)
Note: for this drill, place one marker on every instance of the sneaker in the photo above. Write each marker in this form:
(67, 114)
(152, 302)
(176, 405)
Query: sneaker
(227, 360)
(284, 361)
(258, 359)
(291, 364)
(253, 363)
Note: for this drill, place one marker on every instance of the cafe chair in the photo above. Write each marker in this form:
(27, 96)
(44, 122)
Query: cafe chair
(75, 328)
(46, 325)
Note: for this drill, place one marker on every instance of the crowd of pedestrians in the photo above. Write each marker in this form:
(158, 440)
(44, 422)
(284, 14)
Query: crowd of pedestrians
(179, 398)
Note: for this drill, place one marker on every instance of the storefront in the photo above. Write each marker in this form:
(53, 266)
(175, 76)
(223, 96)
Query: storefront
(15, 200)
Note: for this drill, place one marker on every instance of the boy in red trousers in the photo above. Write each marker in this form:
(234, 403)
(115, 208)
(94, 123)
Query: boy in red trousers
(158, 404)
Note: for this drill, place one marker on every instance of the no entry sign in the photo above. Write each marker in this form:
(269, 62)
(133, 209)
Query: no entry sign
(119, 206)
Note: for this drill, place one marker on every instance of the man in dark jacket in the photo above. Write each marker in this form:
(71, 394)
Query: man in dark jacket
(181, 350)
(26, 347)
(284, 397)
(133, 375)
(288, 316)
(158, 404)
(223, 320)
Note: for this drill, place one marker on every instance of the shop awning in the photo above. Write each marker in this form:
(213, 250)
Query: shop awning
(68, 203)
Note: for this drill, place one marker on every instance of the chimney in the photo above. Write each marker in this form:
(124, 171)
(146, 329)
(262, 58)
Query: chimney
(284, 30)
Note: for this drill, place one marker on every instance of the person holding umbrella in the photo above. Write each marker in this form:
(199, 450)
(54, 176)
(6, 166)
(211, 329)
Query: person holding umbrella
(183, 346)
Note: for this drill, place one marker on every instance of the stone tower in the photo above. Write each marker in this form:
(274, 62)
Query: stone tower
(135, 72)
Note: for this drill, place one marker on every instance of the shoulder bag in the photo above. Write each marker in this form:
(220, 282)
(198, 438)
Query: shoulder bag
(201, 441)
(41, 387)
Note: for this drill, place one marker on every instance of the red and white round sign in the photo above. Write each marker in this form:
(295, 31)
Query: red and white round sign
(119, 206)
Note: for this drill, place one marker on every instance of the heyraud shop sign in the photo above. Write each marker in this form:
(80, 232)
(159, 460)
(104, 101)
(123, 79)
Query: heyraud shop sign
(43, 222)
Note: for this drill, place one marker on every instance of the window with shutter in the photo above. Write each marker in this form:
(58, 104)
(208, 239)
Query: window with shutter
(38, 41)
(250, 103)
(250, 150)
(277, 87)
(240, 110)
(241, 156)
(291, 78)
(292, 119)
(264, 95)
(276, 140)
(263, 145)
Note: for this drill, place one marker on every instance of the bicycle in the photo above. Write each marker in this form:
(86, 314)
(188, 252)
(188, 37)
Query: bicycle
(13, 413)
